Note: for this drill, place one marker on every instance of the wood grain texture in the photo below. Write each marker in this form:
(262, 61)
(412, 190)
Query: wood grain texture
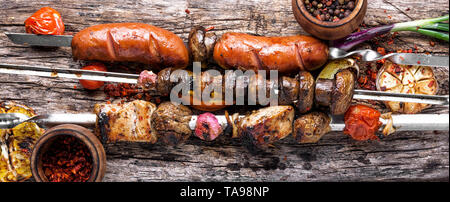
(405, 156)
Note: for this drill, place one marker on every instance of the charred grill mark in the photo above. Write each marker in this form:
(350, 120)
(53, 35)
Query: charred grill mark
(111, 45)
(299, 58)
(103, 125)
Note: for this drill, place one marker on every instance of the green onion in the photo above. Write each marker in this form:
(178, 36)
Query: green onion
(430, 27)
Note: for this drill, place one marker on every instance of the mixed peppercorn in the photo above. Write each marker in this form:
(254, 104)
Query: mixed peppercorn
(67, 160)
(330, 10)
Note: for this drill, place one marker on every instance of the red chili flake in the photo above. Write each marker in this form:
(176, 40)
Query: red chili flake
(432, 43)
(385, 11)
(390, 17)
(381, 50)
(74, 87)
(431, 84)
(407, 9)
(67, 159)
(418, 62)
(401, 58)
(209, 28)
(187, 11)
(108, 102)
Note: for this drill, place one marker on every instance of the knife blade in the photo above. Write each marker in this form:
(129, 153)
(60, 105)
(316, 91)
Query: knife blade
(54, 72)
(40, 40)
(420, 59)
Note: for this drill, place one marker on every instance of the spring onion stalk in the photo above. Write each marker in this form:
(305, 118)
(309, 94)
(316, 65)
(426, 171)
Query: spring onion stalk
(354, 39)
(437, 26)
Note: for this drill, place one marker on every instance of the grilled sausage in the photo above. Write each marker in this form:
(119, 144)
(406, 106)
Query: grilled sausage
(130, 42)
(288, 54)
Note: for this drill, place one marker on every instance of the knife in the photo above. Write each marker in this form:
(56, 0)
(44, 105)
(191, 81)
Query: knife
(55, 72)
(335, 53)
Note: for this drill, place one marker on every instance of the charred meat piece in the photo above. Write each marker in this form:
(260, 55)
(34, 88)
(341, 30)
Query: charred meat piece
(201, 45)
(125, 122)
(266, 125)
(306, 92)
(171, 123)
(310, 127)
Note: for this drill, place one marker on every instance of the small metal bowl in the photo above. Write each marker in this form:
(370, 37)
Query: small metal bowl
(84, 135)
(329, 30)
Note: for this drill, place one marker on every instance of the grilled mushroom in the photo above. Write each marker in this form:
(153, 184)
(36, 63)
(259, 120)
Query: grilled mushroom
(335, 85)
(201, 45)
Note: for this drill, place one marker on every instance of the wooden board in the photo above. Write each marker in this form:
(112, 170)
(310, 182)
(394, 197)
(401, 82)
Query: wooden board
(405, 156)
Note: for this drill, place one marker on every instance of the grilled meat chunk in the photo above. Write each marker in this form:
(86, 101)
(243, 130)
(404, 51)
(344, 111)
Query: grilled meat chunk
(266, 125)
(310, 127)
(125, 122)
(171, 123)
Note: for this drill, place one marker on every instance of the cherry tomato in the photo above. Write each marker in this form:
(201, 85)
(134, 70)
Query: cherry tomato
(362, 122)
(45, 21)
(93, 85)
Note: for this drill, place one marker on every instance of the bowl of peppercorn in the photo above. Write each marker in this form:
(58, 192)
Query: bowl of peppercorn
(329, 19)
(68, 153)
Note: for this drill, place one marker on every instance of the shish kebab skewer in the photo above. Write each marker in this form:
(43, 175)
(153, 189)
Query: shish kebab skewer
(133, 79)
(142, 121)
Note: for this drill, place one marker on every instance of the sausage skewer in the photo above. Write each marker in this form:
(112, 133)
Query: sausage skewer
(133, 79)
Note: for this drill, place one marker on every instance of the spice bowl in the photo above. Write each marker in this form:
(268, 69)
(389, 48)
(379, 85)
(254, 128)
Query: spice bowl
(70, 149)
(329, 30)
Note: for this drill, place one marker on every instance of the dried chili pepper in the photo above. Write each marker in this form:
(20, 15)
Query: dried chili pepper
(67, 160)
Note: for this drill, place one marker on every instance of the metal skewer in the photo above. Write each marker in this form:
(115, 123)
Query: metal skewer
(132, 78)
(402, 122)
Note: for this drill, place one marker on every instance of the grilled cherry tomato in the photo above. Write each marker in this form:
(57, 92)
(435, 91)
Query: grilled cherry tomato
(93, 85)
(45, 21)
(362, 122)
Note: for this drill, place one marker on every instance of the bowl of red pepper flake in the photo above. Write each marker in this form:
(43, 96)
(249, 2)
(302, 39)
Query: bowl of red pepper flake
(329, 19)
(68, 153)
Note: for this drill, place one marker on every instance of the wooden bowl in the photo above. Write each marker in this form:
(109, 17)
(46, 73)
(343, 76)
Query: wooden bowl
(329, 30)
(86, 136)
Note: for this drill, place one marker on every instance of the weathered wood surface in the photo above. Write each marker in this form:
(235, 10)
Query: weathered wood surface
(405, 156)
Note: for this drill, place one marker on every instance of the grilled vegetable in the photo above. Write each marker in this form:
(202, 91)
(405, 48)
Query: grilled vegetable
(207, 127)
(362, 122)
(201, 45)
(335, 85)
(16, 145)
(406, 79)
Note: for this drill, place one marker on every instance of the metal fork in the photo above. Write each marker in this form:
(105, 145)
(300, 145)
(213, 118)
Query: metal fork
(11, 120)
(368, 55)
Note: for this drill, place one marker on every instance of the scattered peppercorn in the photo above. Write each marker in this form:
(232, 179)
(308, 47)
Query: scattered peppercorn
(67, 160)
(330, 10)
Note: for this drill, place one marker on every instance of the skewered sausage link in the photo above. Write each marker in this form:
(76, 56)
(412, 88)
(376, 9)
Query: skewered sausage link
(288, 54)
(130, 42)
